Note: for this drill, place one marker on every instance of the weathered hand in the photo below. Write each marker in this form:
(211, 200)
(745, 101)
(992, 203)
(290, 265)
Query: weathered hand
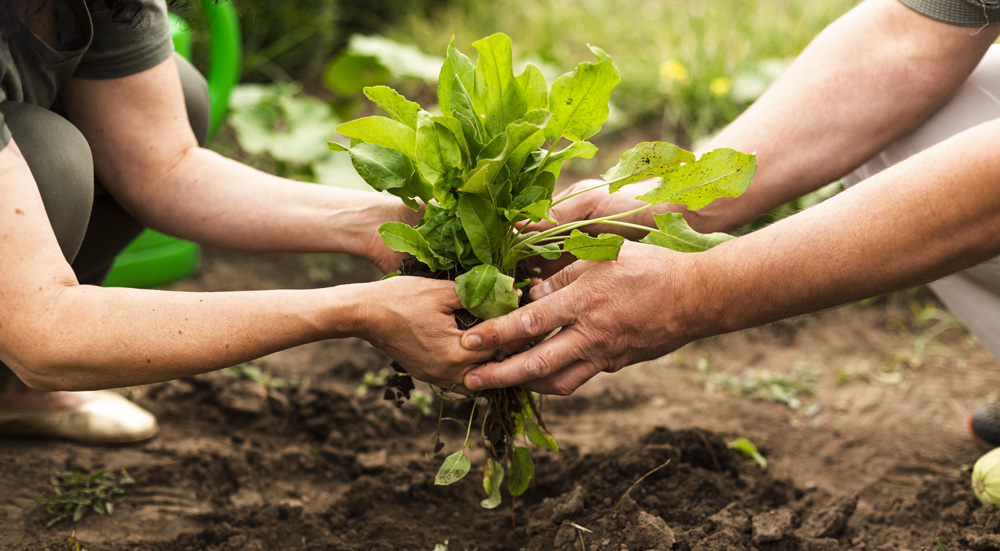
(611, 314)
(411, 319)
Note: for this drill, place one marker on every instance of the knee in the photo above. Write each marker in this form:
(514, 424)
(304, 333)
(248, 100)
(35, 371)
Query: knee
(196, 98)
(62, 164)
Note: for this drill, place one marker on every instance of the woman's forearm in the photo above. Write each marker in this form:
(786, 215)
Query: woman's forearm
(216, 201)
(91, 337)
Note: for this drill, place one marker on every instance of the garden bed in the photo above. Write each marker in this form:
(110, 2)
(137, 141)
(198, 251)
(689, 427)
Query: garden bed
(876, 463)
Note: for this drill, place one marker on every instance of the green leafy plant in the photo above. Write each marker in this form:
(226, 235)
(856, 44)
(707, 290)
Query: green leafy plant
(78, 493)
(486, 169)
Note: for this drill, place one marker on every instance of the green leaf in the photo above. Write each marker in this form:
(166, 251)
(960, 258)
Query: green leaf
(382, 131)
(583, 150)
(718, 173)
(549, 251)
(454, 468)
(453, 124)
(674, 233)
(381, 167)
(524, 137)
(646, 160)
(405, 239)
(496, 94)
(482, 224)
(747, 448)
(534, 86)
(492, 477)
(439, 157)
(445, 235)
(539, 437)
(456, 78)
(334, 146)
(473, 286)
(502, 299)
(522, 470)
(395, 104)
(579, 100)
(585, 247)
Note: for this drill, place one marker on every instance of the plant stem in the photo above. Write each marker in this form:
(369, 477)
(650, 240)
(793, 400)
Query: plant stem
(579, 192)
(610, 219)
(548, 154)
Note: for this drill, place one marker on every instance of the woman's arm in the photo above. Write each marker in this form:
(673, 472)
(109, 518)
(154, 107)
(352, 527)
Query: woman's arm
(146, 156)
(58, 335)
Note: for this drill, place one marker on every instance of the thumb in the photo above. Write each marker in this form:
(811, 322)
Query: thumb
(562, 278)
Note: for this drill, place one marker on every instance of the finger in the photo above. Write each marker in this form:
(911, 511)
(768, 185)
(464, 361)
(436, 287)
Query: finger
(561, 279)
(565, 381)
(535, 318)
(536, 363)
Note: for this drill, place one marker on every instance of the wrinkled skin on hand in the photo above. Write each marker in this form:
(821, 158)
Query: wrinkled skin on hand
(611, 314)
(412, 320)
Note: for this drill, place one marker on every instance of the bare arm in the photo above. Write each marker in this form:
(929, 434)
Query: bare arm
(866, 80)
(58, 335)
(146, 155)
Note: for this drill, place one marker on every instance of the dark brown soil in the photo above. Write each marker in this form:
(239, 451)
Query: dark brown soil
(876, 464)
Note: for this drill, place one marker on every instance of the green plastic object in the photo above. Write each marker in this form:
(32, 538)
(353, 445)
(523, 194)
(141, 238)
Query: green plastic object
(155, 259)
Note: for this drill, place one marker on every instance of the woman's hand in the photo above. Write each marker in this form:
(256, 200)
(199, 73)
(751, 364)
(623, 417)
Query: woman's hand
(412, 320)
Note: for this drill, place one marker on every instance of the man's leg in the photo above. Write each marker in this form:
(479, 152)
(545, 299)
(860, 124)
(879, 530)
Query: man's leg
(973, 294)
(92, 229)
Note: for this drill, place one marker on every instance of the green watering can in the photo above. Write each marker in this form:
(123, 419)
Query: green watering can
(155, 259)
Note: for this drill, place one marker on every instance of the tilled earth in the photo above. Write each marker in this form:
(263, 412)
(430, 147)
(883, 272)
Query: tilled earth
(873, 455)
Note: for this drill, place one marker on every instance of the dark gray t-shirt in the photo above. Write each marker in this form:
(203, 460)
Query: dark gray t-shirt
(968, 13)
(91, 45)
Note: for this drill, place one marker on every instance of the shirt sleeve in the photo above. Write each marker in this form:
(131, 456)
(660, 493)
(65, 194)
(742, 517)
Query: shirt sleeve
(119, 50)
(966, 13)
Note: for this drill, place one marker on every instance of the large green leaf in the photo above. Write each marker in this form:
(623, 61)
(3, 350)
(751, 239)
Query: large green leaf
(492, 477)
(382, 131)
(453, 124)
(502, 299)
(585, 247)
(579, 100)
(537, 436)
(385, 170)
(482, 224)
(454, 468)
(401, 109)
(674, 233)
(439, 156)
(718, 173)
(534, 86)
(524, 137)
(405, 239)
(522, 470)
(496, 94)
(473, 286)
(646, 160)
(445, 235)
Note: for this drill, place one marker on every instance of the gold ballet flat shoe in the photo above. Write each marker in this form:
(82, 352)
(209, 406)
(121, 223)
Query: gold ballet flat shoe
(105, 418)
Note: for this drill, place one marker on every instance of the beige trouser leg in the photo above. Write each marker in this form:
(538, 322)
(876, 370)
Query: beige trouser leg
(973, 294)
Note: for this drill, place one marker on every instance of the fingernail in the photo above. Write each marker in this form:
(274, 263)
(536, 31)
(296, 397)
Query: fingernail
(472, 382)
(541, 290)
(472, 342)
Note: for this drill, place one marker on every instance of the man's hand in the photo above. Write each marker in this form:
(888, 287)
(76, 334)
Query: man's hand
(384, 258)
(412, 320)
(611, 314)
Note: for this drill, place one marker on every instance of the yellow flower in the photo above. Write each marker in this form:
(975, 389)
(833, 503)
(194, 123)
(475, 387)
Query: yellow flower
(720, 86)
(673, 70)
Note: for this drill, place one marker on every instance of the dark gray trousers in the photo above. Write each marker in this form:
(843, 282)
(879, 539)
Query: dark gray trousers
(92, 228)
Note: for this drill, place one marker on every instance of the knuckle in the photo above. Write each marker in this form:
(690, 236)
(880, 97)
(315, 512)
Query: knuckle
(532, 321)
(562, 389)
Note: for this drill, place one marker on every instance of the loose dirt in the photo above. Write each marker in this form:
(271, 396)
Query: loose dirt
(865, 440)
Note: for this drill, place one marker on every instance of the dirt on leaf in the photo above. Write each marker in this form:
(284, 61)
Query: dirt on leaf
(859, 413)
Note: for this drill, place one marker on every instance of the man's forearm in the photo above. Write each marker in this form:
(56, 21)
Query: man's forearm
(933, 214)
(866, 80)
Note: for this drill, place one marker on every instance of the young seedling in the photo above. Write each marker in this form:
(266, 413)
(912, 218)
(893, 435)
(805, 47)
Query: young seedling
(78, 493)
(486, 168)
